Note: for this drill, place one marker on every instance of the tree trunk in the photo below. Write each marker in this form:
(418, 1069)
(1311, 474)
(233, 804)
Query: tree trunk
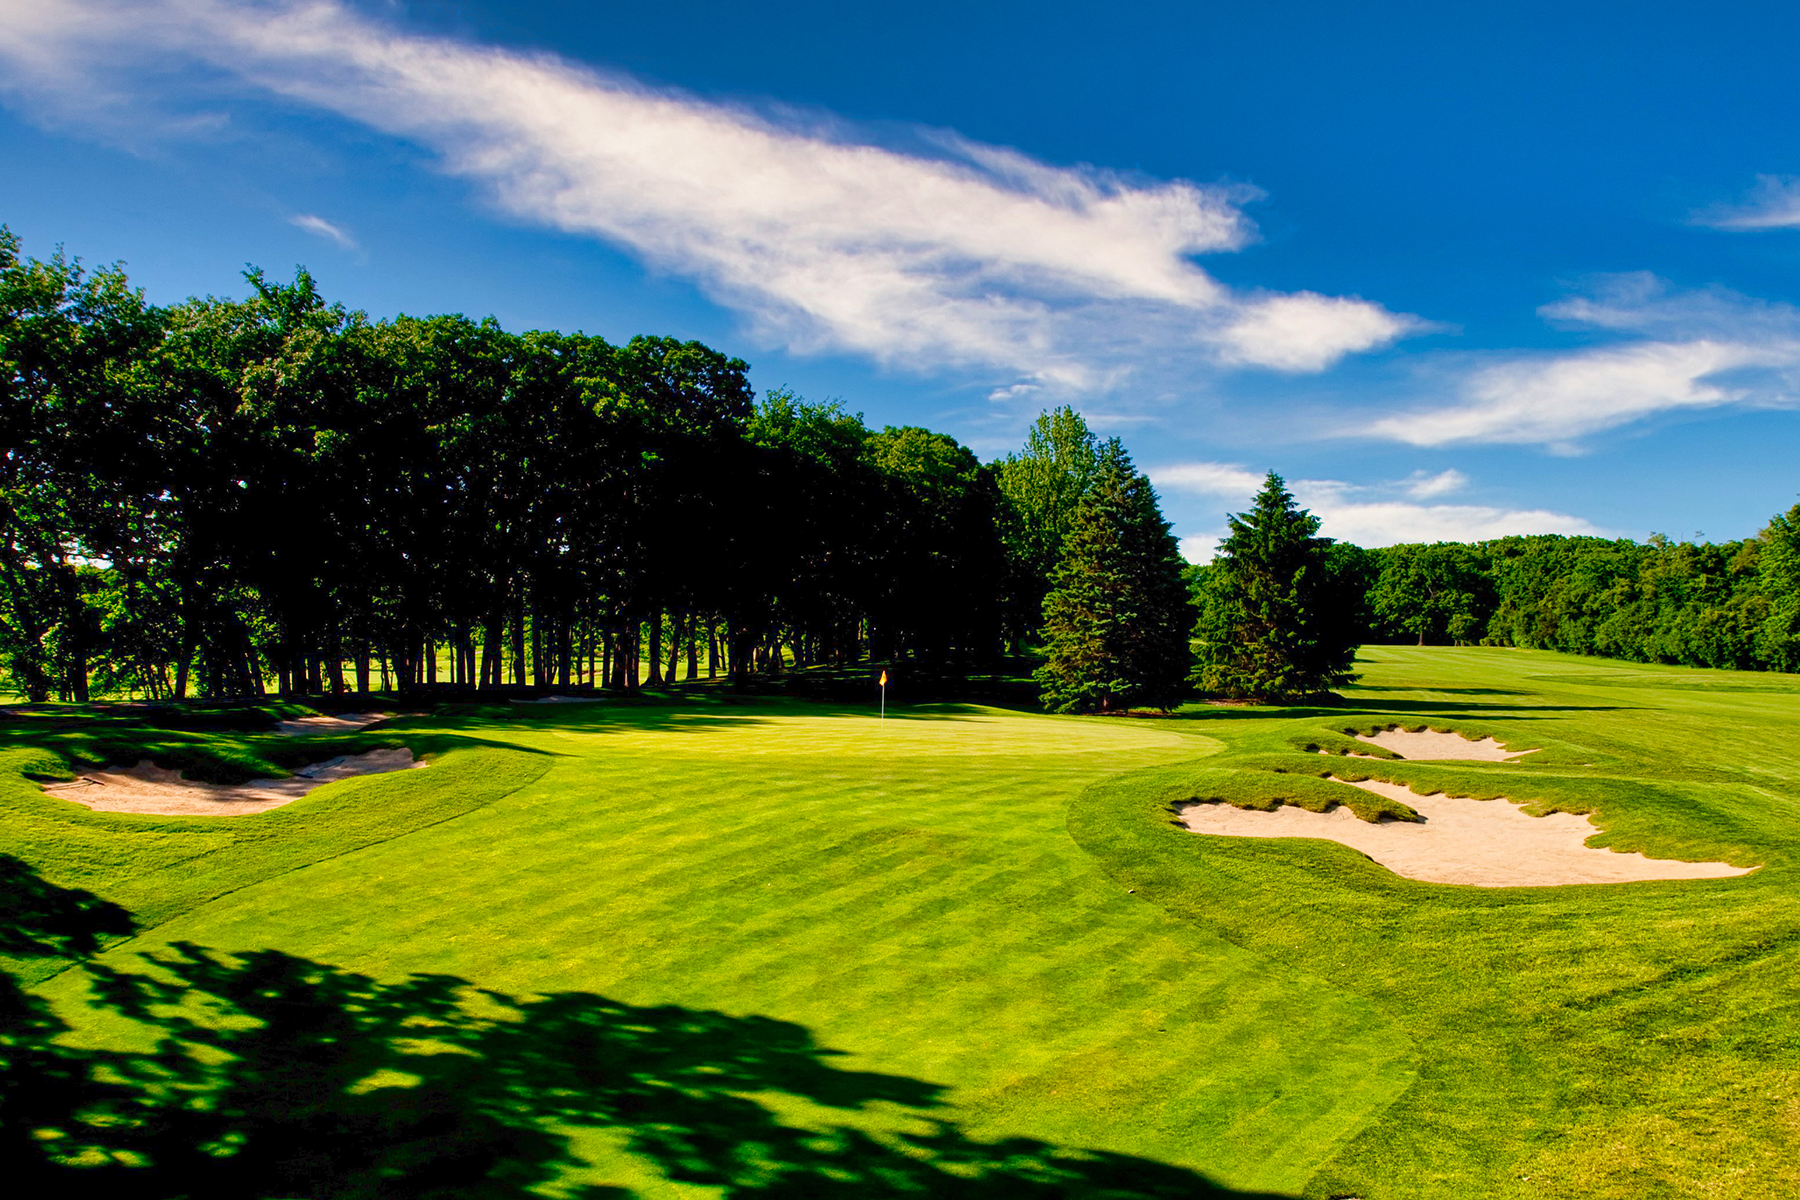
(565, 648)
(653, 648)
(539, 676)
(518, 639)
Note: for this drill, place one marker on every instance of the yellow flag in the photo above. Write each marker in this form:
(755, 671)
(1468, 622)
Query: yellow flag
(884, 679)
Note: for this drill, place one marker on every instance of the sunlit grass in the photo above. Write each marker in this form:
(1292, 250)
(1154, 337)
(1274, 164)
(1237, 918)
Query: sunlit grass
(997, 902)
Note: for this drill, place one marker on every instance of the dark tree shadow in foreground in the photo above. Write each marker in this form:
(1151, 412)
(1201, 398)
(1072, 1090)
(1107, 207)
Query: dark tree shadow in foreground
(272, 1076)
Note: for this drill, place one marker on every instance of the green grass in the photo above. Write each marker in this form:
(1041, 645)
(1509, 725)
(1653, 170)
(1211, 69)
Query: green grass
(999, 904)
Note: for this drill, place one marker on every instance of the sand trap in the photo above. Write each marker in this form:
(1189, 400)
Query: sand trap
(1485, 843)
(1432, 745)
(560, 700)
(340, 723)
(148, 788)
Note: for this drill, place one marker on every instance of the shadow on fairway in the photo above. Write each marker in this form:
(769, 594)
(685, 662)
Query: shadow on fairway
(274, 1076)
(1397, 708)
(1360, 688)
(657, 716)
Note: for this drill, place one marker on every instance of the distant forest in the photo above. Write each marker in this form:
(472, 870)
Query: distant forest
(224, 498)
(1726, 604)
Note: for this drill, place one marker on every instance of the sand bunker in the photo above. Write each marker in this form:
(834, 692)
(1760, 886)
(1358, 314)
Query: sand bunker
(339, 723)
(1485, 843)
(560, 700)
(1430, 745)
(148, 788)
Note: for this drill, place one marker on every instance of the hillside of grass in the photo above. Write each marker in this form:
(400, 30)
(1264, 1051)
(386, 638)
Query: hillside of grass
(966, 951)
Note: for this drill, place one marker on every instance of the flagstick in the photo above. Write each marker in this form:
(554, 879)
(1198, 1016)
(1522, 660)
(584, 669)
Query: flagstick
(884, 702)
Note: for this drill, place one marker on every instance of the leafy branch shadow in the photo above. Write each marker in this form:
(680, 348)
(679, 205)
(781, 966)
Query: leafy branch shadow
(270, 1075)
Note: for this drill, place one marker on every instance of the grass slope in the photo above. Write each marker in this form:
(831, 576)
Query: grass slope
(905, 890)
(948, 897)
(1596, 1041)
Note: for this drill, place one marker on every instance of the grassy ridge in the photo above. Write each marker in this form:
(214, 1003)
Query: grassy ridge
(1631, 1040)
(161, 867)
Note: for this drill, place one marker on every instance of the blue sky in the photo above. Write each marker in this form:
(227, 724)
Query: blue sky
(1454, 273)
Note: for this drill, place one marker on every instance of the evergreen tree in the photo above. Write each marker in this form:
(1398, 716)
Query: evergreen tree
(1116, 621)
(1275, 625)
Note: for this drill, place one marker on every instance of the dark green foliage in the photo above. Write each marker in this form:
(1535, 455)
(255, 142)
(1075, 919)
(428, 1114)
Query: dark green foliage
(226, 495)
(1279, 619)
(1115, 625)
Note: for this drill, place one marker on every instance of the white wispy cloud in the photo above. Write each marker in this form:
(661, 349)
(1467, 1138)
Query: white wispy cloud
(1208, 479)
(1367, 514)
(1422, 485)
(1305, 331)
(1391, 522)
(320, 227)
(951, 255)
(1774, 203)
(1703, 349)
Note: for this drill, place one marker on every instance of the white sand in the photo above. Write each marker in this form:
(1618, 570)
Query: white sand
(1431, 745)
(560, 700)
(340, 723)
(148, 788)
(1484, 843)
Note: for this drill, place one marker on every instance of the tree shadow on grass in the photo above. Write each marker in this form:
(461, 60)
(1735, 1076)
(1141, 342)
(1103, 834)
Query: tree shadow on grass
(1359, 688)
(1350, 710)
(267, 1075)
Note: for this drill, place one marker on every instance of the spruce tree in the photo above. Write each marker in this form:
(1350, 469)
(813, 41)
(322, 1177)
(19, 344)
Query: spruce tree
(1115, 624)
(1273, 625)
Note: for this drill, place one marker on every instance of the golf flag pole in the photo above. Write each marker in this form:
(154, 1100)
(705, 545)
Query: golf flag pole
(884, 695)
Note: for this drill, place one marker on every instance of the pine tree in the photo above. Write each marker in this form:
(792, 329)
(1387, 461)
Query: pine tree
(1116, 621)
(1273, 626)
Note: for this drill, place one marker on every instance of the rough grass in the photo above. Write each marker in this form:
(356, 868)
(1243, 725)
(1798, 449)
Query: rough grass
(1000, 903)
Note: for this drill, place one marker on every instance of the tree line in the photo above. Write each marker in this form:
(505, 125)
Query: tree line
(1701, 604)
(1733, 604)
(226, 497)
(222, 498)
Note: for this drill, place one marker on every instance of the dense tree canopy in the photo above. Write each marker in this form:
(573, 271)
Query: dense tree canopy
(220, 497)
(227, 495)
(1729, 604)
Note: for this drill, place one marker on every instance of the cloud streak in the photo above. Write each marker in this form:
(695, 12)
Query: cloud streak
(319, 227)
(1695, 350)
(1368, 515)
(1773, 204)
(955, 255)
